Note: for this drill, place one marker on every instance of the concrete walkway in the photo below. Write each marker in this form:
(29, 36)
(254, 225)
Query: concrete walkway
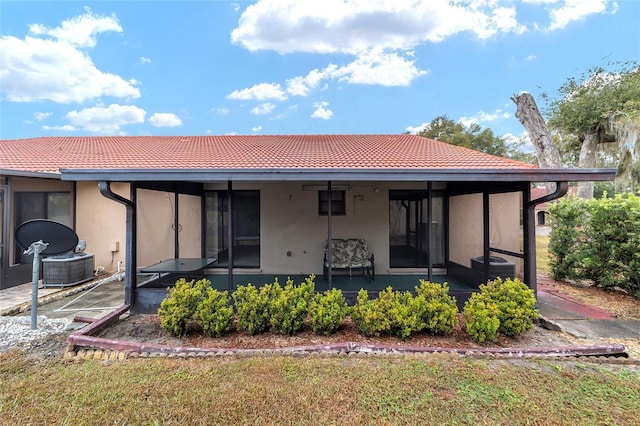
(560, 312)
(96, 299)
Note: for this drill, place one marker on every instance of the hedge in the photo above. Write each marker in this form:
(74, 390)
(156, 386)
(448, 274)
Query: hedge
(598, 240)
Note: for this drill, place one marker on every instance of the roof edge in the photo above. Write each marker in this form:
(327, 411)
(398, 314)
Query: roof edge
(28, 173)
(319, 174)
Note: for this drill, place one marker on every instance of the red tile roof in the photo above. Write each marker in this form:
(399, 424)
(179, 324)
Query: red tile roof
(50, 154)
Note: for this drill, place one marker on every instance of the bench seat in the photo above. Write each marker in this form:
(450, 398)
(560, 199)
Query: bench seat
(349, 254)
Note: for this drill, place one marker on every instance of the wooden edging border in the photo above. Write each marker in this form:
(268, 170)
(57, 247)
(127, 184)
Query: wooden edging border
(86, 340)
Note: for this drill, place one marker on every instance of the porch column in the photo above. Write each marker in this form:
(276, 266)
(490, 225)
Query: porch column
(486, 234)
(529, 241)
(429, 221)
(529, 223)
(329, 237)
(230, 234)
(176, 226)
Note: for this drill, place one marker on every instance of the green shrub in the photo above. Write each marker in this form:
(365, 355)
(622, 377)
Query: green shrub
(481, 318)
(598, 240)
(392, 312)
(180, 305)
(612, 243)
(567, 219)
(252, 308)
(214, 313)
(289, 306)
(327, 312)
(438, 312)
(516, 305)
(369, 320)
(510, 304)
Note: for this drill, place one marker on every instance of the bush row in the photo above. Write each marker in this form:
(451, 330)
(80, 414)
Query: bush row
(598, 240)
(506, 307)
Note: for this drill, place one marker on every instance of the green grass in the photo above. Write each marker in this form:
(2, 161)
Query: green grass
(439, 389)
(542, 254)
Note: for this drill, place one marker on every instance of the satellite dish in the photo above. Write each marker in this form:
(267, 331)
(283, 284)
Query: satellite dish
(61, 239)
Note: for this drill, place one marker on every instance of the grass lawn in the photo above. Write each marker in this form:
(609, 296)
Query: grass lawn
(439, 389)
(542, 254)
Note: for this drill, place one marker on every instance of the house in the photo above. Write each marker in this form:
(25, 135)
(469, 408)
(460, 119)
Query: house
(265, 205)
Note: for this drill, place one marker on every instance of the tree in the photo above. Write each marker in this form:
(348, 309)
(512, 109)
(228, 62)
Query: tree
(600, 108)
(473, 136)
(529, 115)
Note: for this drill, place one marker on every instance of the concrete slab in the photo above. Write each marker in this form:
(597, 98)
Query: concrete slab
(619, 329)
(554, 306)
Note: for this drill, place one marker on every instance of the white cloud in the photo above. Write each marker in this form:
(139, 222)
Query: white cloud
(377, 66)
(106, 120)
(256, 129)
(374, 66)
(414, 130)
(41, 69)
(41, 116)
(222, 111)
(348, 26)
(260, 92)
(144, 60)
(483, 117)
(321, 110)
(263, 109)
(65, 128)
(300, 86)
(81, 30)
(575, 10)
(165, 119)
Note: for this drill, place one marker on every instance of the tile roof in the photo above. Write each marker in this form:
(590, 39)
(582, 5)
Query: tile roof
(50, 154)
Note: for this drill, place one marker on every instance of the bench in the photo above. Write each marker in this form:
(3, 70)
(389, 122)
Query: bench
(348, 255)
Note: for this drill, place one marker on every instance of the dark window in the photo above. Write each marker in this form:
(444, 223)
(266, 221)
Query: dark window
(338, 205)
(40, 205)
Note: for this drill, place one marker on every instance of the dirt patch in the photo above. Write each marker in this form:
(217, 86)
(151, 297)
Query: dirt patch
(146, 328)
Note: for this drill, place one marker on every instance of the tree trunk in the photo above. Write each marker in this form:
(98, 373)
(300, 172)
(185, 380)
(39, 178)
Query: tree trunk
(529, 115)
(587, 160)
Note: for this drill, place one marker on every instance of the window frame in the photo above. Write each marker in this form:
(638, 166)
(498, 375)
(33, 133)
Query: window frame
(338, 203)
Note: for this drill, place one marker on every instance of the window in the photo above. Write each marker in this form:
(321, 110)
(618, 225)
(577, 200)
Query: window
(338, 205)
(40, 205)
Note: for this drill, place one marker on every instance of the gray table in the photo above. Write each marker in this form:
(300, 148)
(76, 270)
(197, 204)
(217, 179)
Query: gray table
(181, 265)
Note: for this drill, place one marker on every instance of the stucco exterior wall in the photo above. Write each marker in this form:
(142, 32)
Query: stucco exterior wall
(100, 222)
(156, 228)
(466, 228)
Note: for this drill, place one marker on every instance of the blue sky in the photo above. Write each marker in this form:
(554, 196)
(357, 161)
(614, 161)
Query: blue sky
(293, 66)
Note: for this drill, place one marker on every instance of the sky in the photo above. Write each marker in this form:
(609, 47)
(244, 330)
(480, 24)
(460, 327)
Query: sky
(294, 66)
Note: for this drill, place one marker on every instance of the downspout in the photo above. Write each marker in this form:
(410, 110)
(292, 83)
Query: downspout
(130, 261)
(530, 269)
